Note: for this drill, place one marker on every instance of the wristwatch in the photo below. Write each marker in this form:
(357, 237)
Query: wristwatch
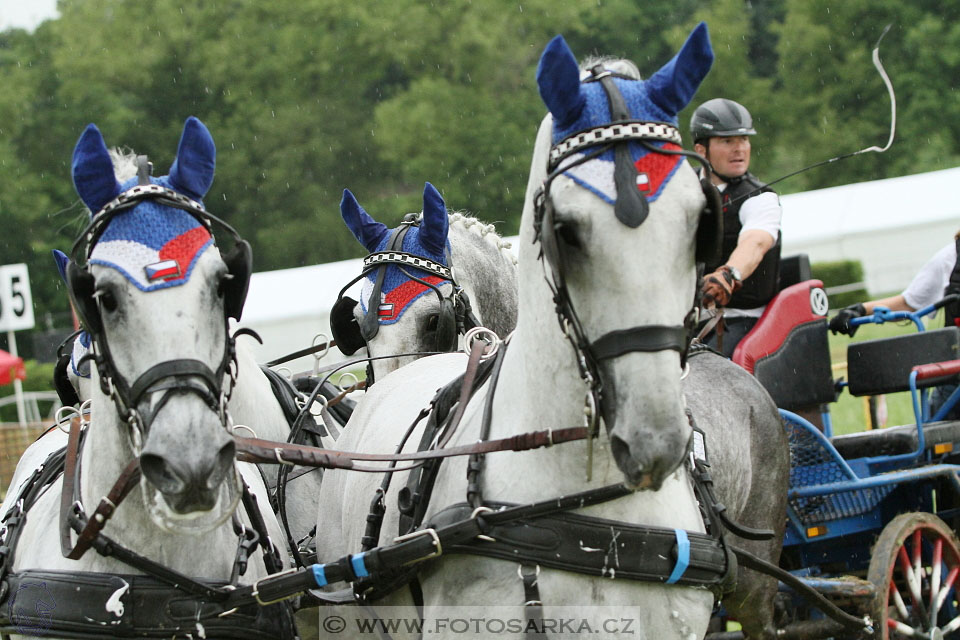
(734, 272)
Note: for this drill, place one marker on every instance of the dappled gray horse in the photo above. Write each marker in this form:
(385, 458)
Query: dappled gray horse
(155, 292)
(607, 267)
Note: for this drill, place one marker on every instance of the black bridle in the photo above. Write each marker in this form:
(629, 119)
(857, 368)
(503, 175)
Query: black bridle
(632, 209)
(171, 377)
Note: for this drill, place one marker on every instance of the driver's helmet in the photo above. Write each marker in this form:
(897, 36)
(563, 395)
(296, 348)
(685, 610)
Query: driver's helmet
(720, 118)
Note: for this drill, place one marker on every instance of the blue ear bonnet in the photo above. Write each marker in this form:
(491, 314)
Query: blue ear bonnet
(395, 278)
(577, 106)
(154, 246)
(596, 109)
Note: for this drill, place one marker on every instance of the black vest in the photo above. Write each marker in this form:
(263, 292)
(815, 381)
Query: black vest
(764, 282)
(951, 312)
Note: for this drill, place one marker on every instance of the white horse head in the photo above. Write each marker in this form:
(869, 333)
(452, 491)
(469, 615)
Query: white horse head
(422, 310)
(154, 275)
(622, 249)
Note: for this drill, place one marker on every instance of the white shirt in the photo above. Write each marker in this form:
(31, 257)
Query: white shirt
(931, 281)
(762, 212)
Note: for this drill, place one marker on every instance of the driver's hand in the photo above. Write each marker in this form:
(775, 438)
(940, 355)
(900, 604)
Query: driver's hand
(841, 321)
(718, 287)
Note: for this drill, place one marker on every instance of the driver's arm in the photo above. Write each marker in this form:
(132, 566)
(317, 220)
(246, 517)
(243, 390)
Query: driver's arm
(894, 303)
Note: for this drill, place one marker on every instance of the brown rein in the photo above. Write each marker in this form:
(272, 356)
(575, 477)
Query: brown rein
(266, 451)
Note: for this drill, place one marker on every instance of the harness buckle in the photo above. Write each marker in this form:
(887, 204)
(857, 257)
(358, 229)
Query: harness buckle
(416, 534)
(475, 513)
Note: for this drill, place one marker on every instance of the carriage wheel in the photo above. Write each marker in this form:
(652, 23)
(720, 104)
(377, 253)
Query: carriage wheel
(914, 567)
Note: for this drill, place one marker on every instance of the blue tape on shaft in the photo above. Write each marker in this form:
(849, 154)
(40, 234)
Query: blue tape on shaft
(359, 566)
(319, 575)
(683, 556)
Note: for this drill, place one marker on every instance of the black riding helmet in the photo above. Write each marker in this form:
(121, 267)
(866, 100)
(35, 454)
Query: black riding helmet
(720, 118)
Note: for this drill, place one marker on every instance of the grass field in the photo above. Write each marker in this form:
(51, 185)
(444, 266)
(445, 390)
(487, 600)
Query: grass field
(850, 414)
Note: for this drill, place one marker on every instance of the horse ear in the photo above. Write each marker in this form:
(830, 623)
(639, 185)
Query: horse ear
(61, 259)
(558, 78)
(365, 229)
(436, 225)
(673, 86)
(192, 171)
(92, 170)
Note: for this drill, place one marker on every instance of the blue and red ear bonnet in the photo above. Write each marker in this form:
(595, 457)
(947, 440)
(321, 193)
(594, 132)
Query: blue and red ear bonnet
(152, 245)
(426, 240)
(578, 104)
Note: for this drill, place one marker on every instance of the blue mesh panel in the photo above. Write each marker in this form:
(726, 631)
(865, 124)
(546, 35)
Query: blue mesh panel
(813, 464)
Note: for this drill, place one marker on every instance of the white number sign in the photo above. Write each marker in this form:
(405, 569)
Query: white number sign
(16, 303)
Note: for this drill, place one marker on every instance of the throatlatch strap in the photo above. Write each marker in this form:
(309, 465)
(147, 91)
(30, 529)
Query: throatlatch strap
(651, 337)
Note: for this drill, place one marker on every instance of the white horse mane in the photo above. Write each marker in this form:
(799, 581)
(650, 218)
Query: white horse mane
(617, 65)
(124, 163)
(483, 230)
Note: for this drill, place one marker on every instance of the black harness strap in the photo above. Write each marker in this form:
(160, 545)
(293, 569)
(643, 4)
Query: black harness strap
(589, 545)
(71, 605)
(647, 338)
(532, 605)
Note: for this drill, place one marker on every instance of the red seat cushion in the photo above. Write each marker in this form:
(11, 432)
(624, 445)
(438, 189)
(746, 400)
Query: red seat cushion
(788, 309)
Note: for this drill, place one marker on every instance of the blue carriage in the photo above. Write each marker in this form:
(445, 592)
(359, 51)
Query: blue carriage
(871, 515)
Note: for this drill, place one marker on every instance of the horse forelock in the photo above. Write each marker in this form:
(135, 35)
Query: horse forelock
(124, 163)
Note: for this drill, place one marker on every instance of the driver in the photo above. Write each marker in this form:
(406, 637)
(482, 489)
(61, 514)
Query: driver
(939, 277)
(748, 274)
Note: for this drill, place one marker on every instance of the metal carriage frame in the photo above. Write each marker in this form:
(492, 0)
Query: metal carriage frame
(871, 517)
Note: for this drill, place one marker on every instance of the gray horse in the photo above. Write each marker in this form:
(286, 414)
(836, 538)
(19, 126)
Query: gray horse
(605, 252)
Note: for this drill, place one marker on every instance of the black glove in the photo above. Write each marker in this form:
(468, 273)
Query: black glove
(841, 321)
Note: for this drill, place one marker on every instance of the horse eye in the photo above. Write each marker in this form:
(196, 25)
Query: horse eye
(567, 232)
(107, 300)
(432, 322)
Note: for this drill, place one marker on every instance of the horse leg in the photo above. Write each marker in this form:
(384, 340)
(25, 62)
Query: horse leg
(751, 604)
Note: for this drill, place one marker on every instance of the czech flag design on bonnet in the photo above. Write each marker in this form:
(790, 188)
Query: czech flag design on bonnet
(152, 245)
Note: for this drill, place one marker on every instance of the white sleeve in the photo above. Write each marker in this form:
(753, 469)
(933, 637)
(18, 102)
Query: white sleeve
(762, 212)
(931, 281)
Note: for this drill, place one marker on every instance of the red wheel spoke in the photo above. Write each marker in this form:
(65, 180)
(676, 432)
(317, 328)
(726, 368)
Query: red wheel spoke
(947, 585)
(898, 603)
(912, 583)
(935, 579)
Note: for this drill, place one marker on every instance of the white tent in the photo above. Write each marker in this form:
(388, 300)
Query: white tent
(892, 226)
(289, 308)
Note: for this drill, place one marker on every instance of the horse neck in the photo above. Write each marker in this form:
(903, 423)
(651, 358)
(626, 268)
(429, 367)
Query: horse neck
(485, 268)
(539, 362)
(252, 402)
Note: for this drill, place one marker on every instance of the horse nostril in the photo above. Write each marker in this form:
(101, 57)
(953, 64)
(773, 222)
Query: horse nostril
(161, 474)
(621, 454)
(222, 466)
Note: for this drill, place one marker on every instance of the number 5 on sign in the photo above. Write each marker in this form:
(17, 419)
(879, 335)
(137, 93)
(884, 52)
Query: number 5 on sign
(16, 303)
